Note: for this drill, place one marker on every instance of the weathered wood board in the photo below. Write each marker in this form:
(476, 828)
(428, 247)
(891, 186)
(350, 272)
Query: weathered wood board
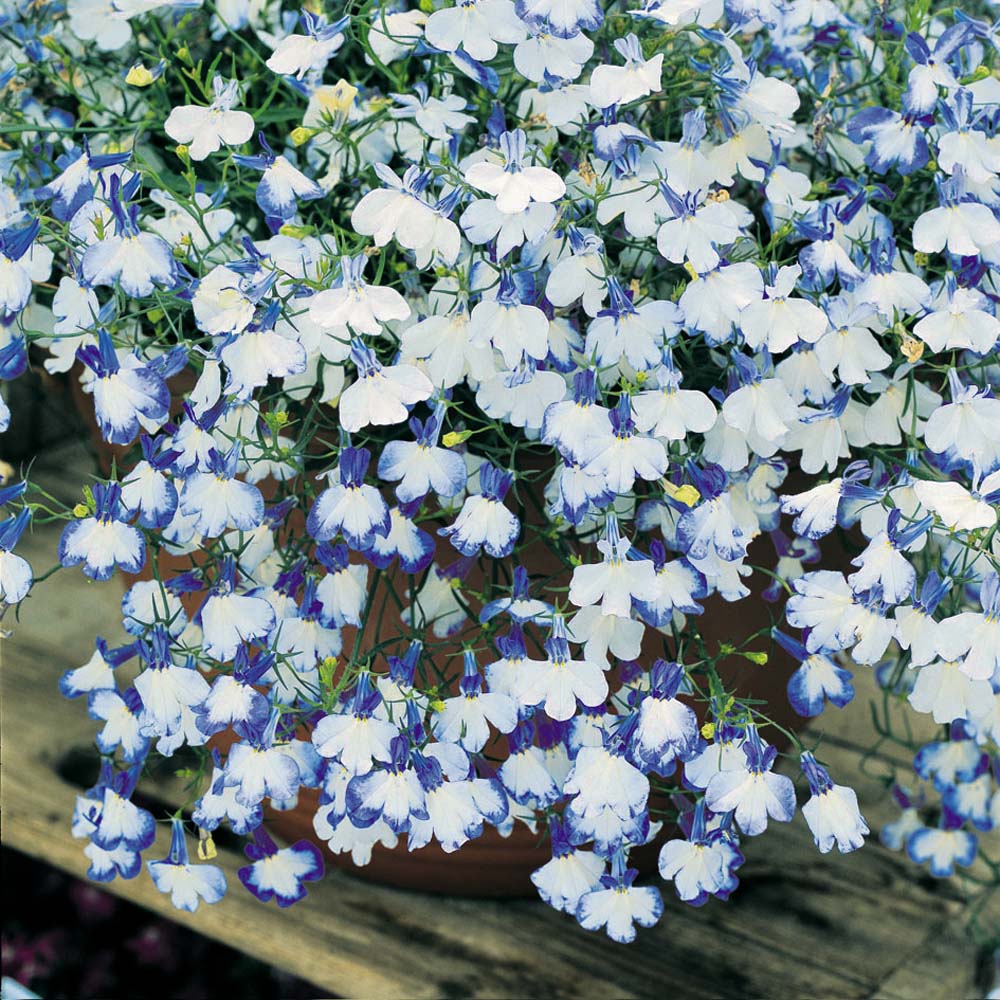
(802, 924)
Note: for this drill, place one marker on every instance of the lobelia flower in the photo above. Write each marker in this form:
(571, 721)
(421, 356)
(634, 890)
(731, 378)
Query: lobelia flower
(521, 396)
(234, 700)
(678, 587)
(75, 185)
(476, 26)
(570, 874)
(356, 738)
(619, 905)
(147, 491)
(436, 605)
(636, 334)
(513, 184)
(392, 796)
(752, 791)
(817, 680)
(960, 509)
(779, 321)
(608, 795)
(962, 144)
(228, 619)
(105, 864)
(713, 301)
(350, 507)
(882, 563)
(962, 226)
(667, 729)
(510, 326)
(932, 70)
(972, 802)
(709, 529)
(444, 349)
(544, 53)
(945, 690)
(121, 715)
(186, 883)
(625, 455)
(952, 761)
(524, 774)
(381, 394)
(916, 629)
(217, 500)
(761, 409)
(136, 261)
(200, 224)
(823, 435)
(889, 289)
(456, 809)
(343, 589)
(832, 811)
(98, 21)
(421, 466)
(20, 265)
(279, 874)
(306, 638)
(465, 719)
(564, 20)
(393, 35)
(261, 766)
(224, 302)
(520, 607)
(580, 276)
(438, 118)
(123, 824)
(205, 130)
(960, 320)
(696, 228)
(166, 689)
(299, 54)
(220, 802)
(944, 847)
(103, 541)
(396, 211)
(817, 510)
(623, 84)
(413, 546)
(969, 424)
(282, 185)
(558, 682)
(16, 575)
(895, 834)
(98, 672)
(125, 395)
(829, 252)
(258, 353)
(896, 140)
(601, 634)
(618, 580)
(705, 864)
(484, 522)
(355, 304)
(572, 424)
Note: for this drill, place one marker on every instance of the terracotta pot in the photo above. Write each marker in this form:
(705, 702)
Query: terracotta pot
(493, 865)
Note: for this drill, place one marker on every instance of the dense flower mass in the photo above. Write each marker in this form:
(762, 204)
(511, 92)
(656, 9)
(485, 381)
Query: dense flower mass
(454, 356)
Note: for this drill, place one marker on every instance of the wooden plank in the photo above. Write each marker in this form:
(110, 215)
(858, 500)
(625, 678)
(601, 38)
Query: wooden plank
(801, 923)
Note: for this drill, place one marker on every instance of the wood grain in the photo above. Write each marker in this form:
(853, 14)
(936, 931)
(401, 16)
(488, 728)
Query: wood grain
(801, 924)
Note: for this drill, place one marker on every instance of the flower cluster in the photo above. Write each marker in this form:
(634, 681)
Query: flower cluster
(453, 356)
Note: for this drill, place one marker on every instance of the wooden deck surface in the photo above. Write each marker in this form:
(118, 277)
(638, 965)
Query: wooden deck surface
(801, 924)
